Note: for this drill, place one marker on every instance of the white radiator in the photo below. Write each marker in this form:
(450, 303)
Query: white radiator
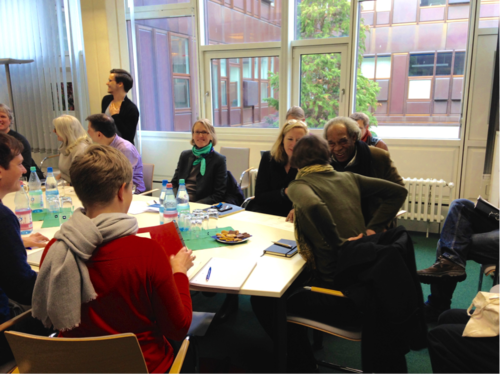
(424, 200)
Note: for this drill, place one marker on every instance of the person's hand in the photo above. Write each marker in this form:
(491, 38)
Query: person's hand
(290, 216)
(58, 176)
(114, 108)
(35, 240)
(355, 237)
(182, 261)
(370, 232)
(286, 191)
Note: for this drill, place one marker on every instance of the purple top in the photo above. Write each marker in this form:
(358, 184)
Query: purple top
(128, 149)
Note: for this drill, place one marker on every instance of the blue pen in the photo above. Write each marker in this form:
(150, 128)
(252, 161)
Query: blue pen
(209, 272)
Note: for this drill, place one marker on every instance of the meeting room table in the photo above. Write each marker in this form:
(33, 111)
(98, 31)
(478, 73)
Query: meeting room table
(272, 276)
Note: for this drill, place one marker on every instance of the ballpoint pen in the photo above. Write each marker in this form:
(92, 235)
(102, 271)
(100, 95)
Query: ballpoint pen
(283, 245)
(208, 274)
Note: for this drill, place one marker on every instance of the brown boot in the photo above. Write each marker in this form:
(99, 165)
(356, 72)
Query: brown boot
(443, 268)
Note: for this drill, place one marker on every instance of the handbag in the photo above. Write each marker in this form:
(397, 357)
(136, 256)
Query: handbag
(483, 322)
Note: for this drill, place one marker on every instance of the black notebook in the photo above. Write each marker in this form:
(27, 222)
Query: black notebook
(486, 208)
(279, 250)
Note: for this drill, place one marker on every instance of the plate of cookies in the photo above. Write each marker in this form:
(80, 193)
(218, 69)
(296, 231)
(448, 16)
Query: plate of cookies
(232, 237)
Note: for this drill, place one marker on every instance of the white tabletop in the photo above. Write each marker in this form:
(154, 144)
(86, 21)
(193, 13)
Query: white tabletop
(271, 277)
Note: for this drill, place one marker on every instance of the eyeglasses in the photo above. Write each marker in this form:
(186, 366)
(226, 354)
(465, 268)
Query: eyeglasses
(201, 133)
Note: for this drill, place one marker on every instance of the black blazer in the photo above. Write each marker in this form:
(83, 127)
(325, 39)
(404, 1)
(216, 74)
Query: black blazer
(271, 179)
(126, 121)
(210, 188)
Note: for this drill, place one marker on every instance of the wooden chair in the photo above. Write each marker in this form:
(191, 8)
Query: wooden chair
(9, 366)
(352, 334)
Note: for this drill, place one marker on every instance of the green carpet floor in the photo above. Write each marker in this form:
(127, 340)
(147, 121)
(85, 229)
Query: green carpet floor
(241, 345)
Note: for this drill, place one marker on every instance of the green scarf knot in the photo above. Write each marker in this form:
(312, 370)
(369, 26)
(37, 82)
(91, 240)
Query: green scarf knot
(200, 154)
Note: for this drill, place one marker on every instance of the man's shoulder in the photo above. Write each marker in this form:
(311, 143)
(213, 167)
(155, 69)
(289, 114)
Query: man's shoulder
(107, 99)
(130, 103)
(379, 153)
(18, 136)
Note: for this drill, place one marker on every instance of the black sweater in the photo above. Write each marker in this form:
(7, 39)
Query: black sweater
(126, 121)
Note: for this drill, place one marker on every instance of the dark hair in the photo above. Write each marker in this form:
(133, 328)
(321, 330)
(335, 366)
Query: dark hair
(123, 76)
(98, 174)
(103, 123)
(310, 150)
(10, 147)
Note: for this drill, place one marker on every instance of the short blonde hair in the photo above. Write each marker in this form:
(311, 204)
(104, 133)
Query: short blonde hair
(296, 112)
(278, 150)
(98, 175)
(71, 131)
(208, 126)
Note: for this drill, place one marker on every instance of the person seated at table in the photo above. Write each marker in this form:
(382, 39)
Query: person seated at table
(102, 130)
(98, 278)
(74, 140)
(202, 168)
(366, 136)
(368, 264)
(296, 112)
(6, 119)
(275, 172)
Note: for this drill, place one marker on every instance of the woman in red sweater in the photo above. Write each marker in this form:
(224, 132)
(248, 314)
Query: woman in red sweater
(98, 278)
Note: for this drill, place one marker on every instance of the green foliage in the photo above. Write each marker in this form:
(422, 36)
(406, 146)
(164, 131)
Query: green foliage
(320, 79)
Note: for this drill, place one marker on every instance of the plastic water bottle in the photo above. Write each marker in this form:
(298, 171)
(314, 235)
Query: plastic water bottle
(51, 184)
(170, 205)
(23, 211)
(162, 198)
(36, 194)
(182, 197)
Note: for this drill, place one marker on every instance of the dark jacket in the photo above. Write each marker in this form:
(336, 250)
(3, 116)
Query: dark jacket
(210, 188)
(27, 159)
(126, 121)
(271, 180)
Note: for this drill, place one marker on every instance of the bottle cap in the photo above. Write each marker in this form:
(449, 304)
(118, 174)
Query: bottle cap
(49, 169)
(169, 185)
(33, 169)
(182, 181)
(164, 182)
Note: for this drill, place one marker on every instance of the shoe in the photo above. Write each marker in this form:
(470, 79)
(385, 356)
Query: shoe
(432, 314)
(228, 308)
(443, 268)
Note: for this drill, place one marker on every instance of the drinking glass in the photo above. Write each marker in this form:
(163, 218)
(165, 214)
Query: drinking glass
(184, 221)
(213, 218)
(195, 228)
(61, 187)
(67, 209)
(204, 222)
(53, 204)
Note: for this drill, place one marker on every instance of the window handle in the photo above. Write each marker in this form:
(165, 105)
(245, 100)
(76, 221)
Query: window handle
(342, 95)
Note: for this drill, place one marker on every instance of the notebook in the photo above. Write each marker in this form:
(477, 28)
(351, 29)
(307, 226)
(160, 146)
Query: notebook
(486, 208)
(279, 250)
(35, 256)
(167, 235)
(225, 273)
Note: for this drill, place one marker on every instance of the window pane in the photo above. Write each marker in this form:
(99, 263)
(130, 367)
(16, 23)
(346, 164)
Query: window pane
(368, 67)
(248, 21)
(247, 71)
(488, 14)
(421, 65)
(367, 5)
(383, 5)
(383, 66)
(318, 19)
(181, 93)
(166, 55)
(419, 89)
(215, 84)
(223, 68)
(251, 102)
(180, 55)
(157, 2)
(458, 69)
(432, 2)
(443, 63)
(319, 87)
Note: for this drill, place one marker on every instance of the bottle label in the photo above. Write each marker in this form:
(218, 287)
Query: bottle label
(36, 199)
(25, 220)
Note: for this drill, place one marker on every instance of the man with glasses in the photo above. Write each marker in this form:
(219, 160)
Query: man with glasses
(118, 106)
(351, 154)
(102, 130)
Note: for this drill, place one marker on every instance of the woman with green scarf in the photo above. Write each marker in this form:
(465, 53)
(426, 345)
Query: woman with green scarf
(376, 269)
(203, 169)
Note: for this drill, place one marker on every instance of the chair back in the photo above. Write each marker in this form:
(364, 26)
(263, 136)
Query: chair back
(148, 171)
(104, 354)
(237, 159)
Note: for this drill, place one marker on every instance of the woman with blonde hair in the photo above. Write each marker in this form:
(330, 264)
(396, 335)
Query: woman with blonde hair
(74, 140)
(203, 169)
(275, 172)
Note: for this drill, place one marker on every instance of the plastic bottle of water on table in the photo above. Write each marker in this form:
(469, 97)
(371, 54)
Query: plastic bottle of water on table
(170, 205)
(51, 184)
(36, 194)
(23, 211)
(162, 198)
(182, 202)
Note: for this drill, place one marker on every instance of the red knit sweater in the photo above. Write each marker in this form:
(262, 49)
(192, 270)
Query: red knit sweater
(137, 293)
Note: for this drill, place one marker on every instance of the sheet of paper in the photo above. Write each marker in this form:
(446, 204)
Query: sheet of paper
(225, 273)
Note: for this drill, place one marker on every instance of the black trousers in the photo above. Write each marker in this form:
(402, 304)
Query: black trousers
(452, 353)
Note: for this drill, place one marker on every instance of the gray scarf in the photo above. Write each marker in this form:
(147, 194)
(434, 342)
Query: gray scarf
(63, 283)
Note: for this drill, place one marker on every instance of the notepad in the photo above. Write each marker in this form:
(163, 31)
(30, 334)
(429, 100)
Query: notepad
(35, 256)
(278, 250)
(225, 273)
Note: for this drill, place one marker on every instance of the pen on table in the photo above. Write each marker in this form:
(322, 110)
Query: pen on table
(283, 245)
(209, 272)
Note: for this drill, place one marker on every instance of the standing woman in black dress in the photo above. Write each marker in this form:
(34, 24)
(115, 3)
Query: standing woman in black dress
(275, 172)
